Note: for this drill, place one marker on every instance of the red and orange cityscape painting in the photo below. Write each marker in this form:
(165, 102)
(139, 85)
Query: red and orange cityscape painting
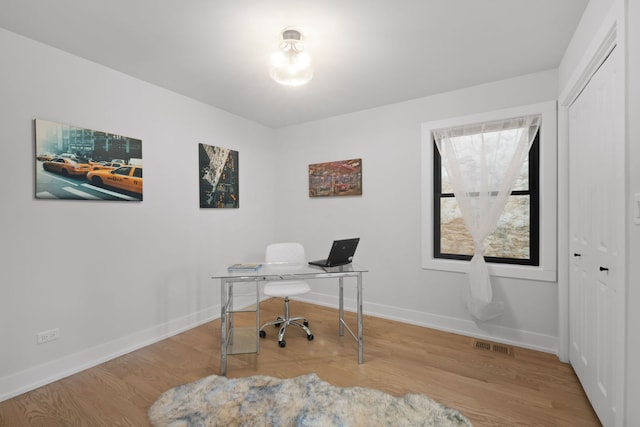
(340, 178)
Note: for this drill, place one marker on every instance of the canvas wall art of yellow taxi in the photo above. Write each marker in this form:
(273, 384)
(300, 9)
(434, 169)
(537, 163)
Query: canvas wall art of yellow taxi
(125, 178)
(66, 166)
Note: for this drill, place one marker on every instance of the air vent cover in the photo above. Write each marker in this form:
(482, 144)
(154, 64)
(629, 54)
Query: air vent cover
(493, 347)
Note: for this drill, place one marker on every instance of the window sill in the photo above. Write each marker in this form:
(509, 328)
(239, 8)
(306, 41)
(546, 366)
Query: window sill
(500, 270)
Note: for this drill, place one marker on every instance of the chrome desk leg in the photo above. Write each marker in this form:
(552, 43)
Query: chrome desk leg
(257, 316)
(360, 351)
(223, 326)
(341, 305)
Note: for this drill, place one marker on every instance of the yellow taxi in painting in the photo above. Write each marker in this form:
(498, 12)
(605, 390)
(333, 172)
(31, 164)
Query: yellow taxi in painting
(105, 165)
(45, 157)
(66, 166)
(126, 178)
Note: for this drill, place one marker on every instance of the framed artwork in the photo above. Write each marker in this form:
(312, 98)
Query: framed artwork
(340, 178)
(218, 177)
(84, 164)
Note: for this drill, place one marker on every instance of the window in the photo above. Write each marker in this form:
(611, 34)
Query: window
(515, 240)
(532, 260)
(125, 170)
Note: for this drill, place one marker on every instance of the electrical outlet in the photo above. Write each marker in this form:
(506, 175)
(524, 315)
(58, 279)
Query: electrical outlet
(47, 336)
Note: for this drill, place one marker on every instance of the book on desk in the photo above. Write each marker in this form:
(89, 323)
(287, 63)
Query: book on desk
(244, 267)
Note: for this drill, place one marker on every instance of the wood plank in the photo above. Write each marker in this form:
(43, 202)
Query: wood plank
(528, 388)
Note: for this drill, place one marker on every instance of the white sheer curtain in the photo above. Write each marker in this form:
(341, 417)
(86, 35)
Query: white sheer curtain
(483, 162)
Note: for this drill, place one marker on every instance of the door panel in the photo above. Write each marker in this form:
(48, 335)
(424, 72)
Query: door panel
(597, 216)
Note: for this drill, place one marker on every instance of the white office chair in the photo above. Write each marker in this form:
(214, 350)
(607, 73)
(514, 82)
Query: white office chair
(291, 255)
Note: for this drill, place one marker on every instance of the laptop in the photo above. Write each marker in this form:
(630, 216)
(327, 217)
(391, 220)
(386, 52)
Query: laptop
(341, 253)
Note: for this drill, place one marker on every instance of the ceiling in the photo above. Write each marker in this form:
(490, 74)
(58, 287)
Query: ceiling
(366, 53)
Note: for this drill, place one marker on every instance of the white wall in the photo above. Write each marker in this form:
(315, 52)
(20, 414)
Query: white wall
(114, 275)
(387, 216)
(592, 17)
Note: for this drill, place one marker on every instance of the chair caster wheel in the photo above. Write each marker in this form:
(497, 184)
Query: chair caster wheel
(262, 334)
(305, 323)
(282, 343)
(310, 337)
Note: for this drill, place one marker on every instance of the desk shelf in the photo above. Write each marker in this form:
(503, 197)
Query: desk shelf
(242, 341)
(242, 315)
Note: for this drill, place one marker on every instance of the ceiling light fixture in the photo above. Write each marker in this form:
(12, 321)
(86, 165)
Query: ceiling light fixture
(290, 65)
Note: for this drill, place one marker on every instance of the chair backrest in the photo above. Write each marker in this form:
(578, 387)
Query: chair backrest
(285, 252)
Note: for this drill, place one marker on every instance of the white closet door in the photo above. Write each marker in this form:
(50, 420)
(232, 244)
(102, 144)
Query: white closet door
(597, 219)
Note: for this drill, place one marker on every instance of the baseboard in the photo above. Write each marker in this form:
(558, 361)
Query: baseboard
(519, 338)
(32, 378)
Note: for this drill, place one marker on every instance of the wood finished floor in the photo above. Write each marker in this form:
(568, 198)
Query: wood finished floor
(527, 388)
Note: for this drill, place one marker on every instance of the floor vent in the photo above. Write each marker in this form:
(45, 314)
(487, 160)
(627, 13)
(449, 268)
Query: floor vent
(493, 347)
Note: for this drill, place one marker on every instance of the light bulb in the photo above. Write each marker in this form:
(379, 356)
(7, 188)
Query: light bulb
(290, 65)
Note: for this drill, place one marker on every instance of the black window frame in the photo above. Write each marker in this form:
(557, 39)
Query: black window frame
(534, 205)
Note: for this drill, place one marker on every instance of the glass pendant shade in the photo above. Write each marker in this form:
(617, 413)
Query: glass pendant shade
(290, 65)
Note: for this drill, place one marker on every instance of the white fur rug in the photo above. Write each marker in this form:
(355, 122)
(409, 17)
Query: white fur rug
(301, 401)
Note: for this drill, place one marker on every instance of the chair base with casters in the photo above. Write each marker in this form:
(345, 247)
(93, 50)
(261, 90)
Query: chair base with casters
(279, 290)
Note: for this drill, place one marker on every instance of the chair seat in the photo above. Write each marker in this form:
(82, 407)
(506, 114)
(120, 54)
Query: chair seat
(286, 288)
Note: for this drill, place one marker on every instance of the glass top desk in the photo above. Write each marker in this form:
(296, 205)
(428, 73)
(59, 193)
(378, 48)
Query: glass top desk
(283, 271)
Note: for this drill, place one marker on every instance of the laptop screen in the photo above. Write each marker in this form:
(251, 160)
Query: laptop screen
(342, 251)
